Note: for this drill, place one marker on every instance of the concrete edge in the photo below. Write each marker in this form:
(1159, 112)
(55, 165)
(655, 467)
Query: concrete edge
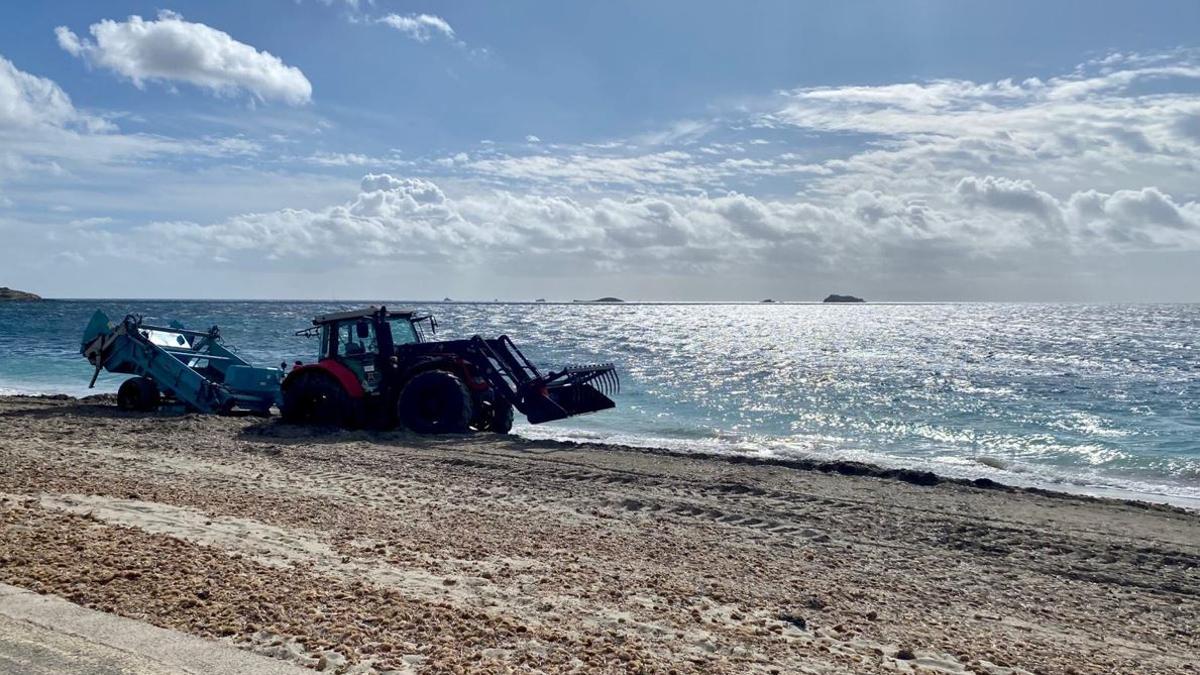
(172, 649)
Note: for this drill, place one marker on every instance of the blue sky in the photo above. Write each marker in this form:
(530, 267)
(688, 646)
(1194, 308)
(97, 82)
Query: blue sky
(689, 150)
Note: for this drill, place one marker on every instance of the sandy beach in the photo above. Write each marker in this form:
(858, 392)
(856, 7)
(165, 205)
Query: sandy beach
(364, 552)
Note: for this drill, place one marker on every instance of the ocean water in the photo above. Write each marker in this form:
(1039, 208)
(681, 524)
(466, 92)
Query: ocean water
(1102, 399)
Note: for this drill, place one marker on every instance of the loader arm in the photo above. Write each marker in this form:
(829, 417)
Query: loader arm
(574, 390)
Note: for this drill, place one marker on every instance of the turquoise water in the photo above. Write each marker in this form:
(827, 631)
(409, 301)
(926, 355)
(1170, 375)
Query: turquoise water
(1094, 398)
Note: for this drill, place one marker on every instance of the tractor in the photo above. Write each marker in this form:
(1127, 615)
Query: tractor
(377, 369)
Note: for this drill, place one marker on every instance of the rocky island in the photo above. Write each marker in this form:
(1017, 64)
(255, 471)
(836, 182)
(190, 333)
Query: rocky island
(604, 299)
(842, 298)
(7, 293)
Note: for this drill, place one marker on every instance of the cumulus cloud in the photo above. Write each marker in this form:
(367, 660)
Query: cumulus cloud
(1135, 219)
(394, 216)
(419, 27)
(1125, 220)
(170, 49)
(411, 216)
(1017, 196)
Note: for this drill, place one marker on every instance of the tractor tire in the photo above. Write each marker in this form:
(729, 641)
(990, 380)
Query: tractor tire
(502, 417)
(435, 402)
(138, 394)
(316, 400)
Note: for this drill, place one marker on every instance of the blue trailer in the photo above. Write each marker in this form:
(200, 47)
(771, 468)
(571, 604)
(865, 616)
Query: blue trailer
(177, 367)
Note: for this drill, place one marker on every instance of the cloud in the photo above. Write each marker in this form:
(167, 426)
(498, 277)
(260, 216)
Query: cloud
(170, 49)
(419, 27)
(949, 187)
(396, 217)
(28, 100)
(1125, 220)
(1016, 196)
(42, 132)
(403, 216)
(1135, 219)
(1111, 121)
(341, 159)
(671, 168)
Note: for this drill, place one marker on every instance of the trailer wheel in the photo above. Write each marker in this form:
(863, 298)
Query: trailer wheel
(138, 393)
(435, 402)
(315, 400)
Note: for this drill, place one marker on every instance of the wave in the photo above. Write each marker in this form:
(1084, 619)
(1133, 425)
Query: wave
(1181, 493)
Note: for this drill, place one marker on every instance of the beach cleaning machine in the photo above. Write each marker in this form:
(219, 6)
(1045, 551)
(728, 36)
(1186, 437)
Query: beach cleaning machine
(176, 366)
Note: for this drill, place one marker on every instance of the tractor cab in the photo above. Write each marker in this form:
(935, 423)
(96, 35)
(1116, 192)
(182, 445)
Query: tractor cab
(366, 340)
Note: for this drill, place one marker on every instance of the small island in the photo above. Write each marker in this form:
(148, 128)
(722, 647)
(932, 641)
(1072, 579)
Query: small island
(842, 298)
(604, 299)
(768, 300)
(7, 293)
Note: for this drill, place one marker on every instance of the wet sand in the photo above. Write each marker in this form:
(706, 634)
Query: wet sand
(364, 552)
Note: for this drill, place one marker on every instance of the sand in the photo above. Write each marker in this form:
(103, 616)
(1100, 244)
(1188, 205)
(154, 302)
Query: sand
(386, 552)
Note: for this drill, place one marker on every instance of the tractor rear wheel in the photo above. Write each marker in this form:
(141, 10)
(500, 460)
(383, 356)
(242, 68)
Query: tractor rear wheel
(435, 402)
(316, 400)
(138, 393)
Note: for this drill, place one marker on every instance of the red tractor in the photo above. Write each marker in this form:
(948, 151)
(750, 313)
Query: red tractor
(376, 369)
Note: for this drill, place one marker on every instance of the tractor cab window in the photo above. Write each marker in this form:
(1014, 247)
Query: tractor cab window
(356, 337)
(403, 332)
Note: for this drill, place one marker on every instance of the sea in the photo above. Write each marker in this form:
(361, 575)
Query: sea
(1101, 399)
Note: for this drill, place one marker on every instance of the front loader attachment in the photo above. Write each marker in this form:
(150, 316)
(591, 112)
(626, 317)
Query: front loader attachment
(574, 390)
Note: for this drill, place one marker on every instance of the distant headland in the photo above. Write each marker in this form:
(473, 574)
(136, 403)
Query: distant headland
(604, 299)
(7, 293)
(842, 298)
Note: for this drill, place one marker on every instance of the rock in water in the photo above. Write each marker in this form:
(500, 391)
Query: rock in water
(842, 298)
(7, 293)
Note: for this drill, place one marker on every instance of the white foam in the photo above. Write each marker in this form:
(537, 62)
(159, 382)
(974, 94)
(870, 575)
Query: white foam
(1013, 473)
(81, 390)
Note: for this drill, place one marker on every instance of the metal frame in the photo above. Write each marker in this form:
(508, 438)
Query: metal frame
(201, 373)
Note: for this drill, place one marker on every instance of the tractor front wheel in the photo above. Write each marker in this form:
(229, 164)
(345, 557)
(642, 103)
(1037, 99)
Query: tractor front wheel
(316, 400)
(138, 393)
(435, 402)
(501, 418)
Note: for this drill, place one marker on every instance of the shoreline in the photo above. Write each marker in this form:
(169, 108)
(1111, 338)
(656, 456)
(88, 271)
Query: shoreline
(833, 465)
(382, 551)
(855, 467)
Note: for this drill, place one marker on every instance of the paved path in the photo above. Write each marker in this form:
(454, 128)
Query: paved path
(44, 634)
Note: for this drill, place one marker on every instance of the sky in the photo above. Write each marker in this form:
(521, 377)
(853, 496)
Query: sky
(667, 150)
